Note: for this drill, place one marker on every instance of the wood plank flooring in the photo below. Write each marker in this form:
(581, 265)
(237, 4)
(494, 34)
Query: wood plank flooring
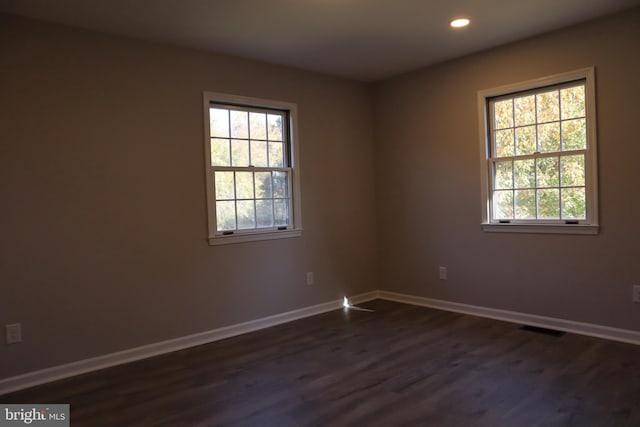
(397, 366)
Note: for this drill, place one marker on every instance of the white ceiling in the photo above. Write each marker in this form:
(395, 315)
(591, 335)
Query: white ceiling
(359, 39)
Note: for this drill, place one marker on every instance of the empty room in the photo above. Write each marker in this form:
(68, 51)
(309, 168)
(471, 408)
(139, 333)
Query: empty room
(320, 213)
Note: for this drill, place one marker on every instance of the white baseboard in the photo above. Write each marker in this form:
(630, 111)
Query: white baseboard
(54, 373)
(606, 332)
(360, 298)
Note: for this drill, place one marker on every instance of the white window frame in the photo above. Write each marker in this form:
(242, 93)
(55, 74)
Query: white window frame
(589, 225)
(216, 237)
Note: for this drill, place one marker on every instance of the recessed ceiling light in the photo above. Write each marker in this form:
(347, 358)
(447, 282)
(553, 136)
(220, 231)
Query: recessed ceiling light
(459, 22)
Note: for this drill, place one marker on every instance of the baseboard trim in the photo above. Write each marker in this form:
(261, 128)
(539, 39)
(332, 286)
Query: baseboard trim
(54, 373)
(598, 331)
(360, 298)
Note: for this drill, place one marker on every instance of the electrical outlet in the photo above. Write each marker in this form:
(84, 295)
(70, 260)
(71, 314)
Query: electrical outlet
(443, 273)
(13, 333)
(310, 278)
(636, 294)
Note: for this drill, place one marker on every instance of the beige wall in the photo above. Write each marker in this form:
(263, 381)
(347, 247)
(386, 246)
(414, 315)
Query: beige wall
(428, 183)
(102, 184)
(103, 213)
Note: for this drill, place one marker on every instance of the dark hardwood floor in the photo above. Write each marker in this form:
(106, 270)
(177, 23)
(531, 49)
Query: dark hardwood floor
(399, 365)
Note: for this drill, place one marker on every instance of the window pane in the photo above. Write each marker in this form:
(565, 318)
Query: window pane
(281, 211)
(219, 122)
(224, 186)
(572, 168)
(537, 152)
(250, 179)
(504, 143)
(503, 204)
(549, 203)
(263, 185)
(264, 213)
(525, 204)
(258, 125)
(572, 102)
(246, 214)
(525, 140)
(503, 113)
(225, 216)
(280, 184)
(525, 110)
(239, 152)
(276, 159)
(573, 203)
(275, 127)
(548, 106)
(503, 175)
(547, 172)
(220, 152)
(239, 124)
(574, 134)
(525, 174)
(549, 137)
(259, 154)
(244, 185)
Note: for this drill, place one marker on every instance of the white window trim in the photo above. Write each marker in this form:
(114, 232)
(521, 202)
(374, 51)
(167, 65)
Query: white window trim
(252, 235)
(588, 226)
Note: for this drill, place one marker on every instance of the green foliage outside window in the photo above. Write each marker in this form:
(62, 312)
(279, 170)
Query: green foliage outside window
(538, 145)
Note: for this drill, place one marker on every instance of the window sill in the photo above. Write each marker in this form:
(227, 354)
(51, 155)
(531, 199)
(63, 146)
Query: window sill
(246, 237)
(542, 228)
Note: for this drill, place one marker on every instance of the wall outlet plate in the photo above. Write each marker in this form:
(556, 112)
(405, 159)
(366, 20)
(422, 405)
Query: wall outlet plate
(636, 294)
(13, 333)
(443, 273)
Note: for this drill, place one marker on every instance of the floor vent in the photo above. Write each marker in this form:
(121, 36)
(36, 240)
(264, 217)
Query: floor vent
(544, 331)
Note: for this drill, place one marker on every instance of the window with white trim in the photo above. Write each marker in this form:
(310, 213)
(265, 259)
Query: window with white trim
(539, 165)
(253, 188)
